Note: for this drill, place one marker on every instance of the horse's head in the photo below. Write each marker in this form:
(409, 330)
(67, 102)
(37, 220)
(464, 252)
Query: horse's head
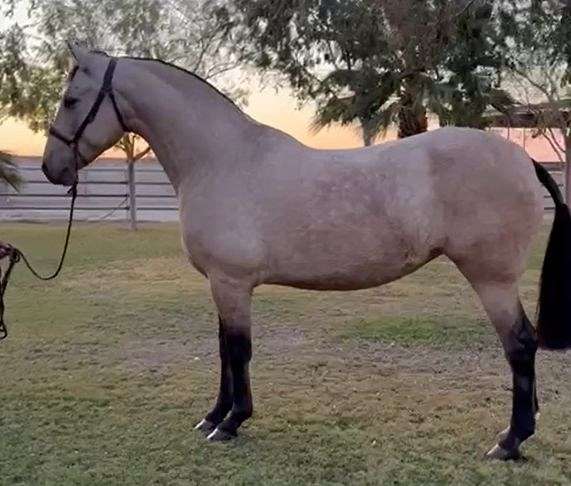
(88, 121)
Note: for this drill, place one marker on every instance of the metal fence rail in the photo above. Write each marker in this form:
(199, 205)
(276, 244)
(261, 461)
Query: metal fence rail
(109, 190)
(106, 191)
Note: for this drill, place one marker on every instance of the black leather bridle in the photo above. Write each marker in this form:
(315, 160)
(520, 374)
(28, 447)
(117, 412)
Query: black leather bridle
(105, 91)
(13, 253)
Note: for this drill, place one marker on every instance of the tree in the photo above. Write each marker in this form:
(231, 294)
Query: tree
(34, 59)
(539, 62)
(376, 62)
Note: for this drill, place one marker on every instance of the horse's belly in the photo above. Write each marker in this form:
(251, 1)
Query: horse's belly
(334, 274)
(337, 282)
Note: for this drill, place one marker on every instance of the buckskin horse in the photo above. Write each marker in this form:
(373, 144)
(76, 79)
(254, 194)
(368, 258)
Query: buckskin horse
(259, 207)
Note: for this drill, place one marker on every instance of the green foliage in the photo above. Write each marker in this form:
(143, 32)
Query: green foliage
(427, 330)
(34, 59)
(9, 171)
(538, 59)
(537, 33)
(381, 63)
(13, 69)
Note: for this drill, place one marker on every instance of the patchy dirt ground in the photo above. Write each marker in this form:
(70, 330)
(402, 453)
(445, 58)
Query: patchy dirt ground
(107, 370)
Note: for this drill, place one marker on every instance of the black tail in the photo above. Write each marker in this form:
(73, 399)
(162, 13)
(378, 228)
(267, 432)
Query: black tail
(554, 306)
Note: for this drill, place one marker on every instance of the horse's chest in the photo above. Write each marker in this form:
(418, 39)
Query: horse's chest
(195, 245)
(221, 239)
(195, 259)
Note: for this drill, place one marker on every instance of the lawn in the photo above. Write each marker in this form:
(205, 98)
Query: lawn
(107, 370)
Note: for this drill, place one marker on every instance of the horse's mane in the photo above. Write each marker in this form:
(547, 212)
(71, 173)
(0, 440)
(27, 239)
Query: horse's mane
(167, 64)
(190, 73)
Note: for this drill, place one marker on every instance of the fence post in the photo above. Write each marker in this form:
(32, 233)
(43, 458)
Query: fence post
(132, 195)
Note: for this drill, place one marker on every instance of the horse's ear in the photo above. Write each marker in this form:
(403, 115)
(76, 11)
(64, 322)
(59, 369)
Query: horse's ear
(78, 52)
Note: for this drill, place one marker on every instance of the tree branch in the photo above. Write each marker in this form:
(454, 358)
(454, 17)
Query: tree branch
(142, 153)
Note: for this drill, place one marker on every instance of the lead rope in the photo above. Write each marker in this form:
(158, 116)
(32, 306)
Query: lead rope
(15, 255)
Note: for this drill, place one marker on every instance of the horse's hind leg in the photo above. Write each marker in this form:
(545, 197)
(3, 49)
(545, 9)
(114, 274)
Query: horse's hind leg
(519, 341)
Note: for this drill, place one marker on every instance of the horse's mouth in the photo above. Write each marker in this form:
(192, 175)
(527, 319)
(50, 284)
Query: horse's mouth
(66, 177)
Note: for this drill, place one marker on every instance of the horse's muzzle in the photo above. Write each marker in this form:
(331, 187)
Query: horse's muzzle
(65, 176)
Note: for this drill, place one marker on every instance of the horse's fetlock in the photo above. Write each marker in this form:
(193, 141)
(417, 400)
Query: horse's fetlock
(525, 433)
(243, 415)
(219, 412)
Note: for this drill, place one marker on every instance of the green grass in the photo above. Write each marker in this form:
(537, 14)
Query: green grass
(108, 368)
(443, 331)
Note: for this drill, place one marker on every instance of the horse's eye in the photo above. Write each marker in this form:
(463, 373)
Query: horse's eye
(69, 102)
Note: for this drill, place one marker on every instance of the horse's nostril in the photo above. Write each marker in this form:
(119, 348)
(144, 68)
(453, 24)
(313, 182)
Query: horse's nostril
(46, 172)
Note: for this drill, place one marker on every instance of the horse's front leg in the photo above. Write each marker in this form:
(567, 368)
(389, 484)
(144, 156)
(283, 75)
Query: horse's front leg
(233, 299)
(225, 395)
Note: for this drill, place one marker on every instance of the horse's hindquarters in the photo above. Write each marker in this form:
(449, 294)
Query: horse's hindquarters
(492, 212)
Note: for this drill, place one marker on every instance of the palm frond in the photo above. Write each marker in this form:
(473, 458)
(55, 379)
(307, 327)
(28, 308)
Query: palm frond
(334, 110)
(385, 117)
(9, 171)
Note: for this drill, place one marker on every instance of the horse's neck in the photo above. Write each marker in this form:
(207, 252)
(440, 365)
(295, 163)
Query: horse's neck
(191, 128)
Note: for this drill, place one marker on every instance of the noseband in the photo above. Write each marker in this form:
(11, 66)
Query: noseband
(105, 91)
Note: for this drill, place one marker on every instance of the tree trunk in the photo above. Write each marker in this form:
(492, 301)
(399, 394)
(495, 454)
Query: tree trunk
(411, 122)
(132, 194)
(412, 116)
(368, 135)
(128, 146)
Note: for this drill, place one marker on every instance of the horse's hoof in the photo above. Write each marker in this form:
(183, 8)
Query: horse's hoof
(205, 426)
(502, 454)
(503, 434)
(219, 435)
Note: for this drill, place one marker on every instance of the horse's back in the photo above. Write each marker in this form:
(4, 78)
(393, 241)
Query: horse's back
(374, 215)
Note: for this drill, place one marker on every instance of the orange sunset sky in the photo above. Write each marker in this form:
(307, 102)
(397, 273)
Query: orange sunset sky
(279, 110)
(267, 106)
(276, 109)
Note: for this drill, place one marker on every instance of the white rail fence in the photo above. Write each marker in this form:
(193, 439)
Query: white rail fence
(106, 190)
(109, 191)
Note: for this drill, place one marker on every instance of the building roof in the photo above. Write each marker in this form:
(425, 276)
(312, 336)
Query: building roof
(532, 116)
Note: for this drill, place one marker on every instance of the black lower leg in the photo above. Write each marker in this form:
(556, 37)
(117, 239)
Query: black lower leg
(521, 355)
(225, 396)
(240, 353)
